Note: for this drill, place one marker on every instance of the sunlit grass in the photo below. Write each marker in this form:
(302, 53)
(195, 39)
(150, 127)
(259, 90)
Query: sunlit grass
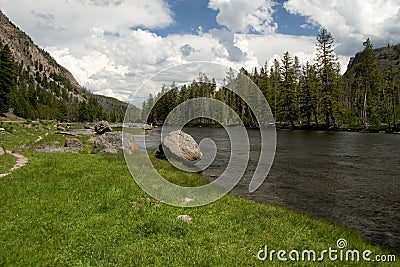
(85, 209)
(7, 161)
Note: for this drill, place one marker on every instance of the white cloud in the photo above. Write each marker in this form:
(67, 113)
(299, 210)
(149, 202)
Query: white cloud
(42, 18)
(245, 15)
(353, 21)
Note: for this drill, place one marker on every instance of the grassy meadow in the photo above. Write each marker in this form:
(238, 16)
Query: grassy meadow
(84, 209)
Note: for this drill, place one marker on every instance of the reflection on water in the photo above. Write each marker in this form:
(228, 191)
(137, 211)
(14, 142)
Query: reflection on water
(348, 178)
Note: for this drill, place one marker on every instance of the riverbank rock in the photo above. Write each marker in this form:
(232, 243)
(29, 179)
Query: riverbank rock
(182, 145)
(148, 126)
(102, 127)
(114, 142)
(73, 144)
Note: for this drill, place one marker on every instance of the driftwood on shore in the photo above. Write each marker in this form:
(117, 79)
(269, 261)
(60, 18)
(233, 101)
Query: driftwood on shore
(66, 133)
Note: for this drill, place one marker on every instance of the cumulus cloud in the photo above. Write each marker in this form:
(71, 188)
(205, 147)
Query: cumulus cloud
(46, 21)
(78, 17)
(228, 48)
(352, 21)
(245, 15)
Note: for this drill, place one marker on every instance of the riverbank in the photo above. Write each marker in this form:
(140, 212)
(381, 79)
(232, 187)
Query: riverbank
(85, 209)
(342, 128)
(313, 127)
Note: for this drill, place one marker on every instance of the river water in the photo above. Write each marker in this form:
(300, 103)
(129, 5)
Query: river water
(351, 179)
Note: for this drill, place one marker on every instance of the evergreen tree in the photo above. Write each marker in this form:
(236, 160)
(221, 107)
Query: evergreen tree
(327, 72)
(309, 94)
(288, 89)
(8, 77)
(367, 77)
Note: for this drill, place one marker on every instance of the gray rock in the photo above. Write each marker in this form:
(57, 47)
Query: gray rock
(2, 129)
(74, 144)
(28, 126)
(147, 126)
(53, 149)
(102, 127)
(182, 145)
(114, 143)
(1, 151)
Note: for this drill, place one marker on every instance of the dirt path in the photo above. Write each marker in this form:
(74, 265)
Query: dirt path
(21, 161)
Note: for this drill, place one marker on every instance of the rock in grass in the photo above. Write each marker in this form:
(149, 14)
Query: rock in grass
(102, 127)
(182, 145)
(114, 143)
(187, 200)
(185, 218)
(74, 144)
(1, 151)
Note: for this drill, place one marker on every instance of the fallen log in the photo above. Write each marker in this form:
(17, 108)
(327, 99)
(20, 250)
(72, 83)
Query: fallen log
(66, 133)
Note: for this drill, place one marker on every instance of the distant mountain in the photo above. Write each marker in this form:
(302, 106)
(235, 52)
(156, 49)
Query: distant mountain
(389, 55)
(39, 87)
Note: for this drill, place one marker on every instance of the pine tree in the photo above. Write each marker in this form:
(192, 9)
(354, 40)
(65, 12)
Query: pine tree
(288, 89)
(309, 94)
(367, 76)
(8, 77)
(327, 72)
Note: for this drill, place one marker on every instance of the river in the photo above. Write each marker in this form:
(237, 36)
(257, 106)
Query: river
(351, 179)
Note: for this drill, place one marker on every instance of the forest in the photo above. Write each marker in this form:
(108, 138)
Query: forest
(45, 95)
(309, 96)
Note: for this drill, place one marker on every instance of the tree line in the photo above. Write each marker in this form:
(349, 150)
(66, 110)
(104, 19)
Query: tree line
(30, 92)
(309, 96)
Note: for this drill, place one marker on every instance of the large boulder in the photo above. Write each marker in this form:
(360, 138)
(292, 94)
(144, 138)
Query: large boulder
(73, 144)
(182, 146)
(114, 142)
(102, 127)
(147, 126)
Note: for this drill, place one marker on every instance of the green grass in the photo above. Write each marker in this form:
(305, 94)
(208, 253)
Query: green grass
(15, 135)
(86, 210)
(7, 161)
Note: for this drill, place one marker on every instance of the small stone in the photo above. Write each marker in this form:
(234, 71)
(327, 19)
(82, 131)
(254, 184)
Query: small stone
(185, 218)
(2, 129)
(187, 200)
(1, 151)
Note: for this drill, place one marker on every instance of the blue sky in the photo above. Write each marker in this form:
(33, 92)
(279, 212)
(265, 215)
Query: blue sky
(151, 35)
(189, 15)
